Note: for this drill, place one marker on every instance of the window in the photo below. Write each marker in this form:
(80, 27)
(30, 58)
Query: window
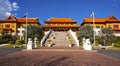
(109, 26)
(97, 26)
(117, 31)
(7, 26)
(12, 26)
(115, 26)
(101, 26)
(2, 26)
(18, 31)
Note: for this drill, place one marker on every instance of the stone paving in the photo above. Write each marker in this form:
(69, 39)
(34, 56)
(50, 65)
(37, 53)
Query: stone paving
(57, 58)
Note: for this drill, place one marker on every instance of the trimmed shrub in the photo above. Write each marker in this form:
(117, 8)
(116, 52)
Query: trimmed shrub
(20, 42)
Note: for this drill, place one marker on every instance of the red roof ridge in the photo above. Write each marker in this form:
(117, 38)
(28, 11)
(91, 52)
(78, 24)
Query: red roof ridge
(11, 17)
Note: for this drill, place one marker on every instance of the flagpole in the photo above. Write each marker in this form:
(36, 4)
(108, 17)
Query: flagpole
(26, 28)
(93, 28)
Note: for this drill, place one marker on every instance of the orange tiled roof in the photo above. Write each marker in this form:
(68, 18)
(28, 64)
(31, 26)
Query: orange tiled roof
(116, 21)
(28, 19)
(116, 29)
(112, 16)
(102, 20)
(11, 17)
(14, 19)
(96, 19)
(60, 20)
(3, 21)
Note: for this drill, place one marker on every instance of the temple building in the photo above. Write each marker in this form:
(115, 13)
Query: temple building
(15, 25)
(60, 24)
(110, 22)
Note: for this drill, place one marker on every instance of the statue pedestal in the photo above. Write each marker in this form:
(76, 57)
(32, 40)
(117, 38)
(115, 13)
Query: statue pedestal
(35, 46)
(87, 45)
(49, 45)
(29, 45)
(70, 45)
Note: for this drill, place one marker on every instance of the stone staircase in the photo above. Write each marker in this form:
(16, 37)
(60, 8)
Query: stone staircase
(71, 38)
(60, 39)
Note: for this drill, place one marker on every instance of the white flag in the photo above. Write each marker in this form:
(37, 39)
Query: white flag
(92, 15)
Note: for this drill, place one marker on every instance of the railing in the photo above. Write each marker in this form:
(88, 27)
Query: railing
(74, 37)
(45, 37)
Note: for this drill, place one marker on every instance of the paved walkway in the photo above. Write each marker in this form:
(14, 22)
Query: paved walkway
(111, 53)
(74, 57)
(6, 51)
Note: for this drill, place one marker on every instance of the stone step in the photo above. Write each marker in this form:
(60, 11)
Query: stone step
(61, 39)
(60, 47)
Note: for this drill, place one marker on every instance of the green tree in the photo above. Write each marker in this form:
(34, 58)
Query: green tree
(85, 31)
(34, 31)
(6, 37)
(117, 41)
(107, 37)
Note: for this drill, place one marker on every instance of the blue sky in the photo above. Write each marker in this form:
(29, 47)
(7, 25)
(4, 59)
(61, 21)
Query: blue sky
(75, 9)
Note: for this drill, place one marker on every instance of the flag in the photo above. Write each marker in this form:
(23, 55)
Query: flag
(25, 15)
(92, 15)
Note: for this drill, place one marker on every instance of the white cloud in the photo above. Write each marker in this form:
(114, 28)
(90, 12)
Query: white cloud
(15, 6)
(8, 13)
(6, 8)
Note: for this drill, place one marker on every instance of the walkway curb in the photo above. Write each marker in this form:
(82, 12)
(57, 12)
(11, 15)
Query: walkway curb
(58, 50)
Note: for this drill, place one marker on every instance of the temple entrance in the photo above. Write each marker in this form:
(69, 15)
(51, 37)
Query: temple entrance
(60, 24)
(61, 28)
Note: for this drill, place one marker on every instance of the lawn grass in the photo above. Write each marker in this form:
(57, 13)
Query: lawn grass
(115, 48)
(112, 48)
(7, 46)
(12, 46)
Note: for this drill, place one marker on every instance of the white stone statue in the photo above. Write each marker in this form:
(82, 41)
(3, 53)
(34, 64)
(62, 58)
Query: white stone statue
(83, 40)
(35, 42)
(86, 44)
(30, 44)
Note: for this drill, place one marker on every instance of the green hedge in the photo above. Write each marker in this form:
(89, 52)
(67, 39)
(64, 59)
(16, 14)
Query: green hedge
(20, 42)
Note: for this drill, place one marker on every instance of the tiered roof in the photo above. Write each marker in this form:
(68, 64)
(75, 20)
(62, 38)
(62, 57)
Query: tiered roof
(60, 20)
(101, 20)
(28, 20)
(12, 18)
